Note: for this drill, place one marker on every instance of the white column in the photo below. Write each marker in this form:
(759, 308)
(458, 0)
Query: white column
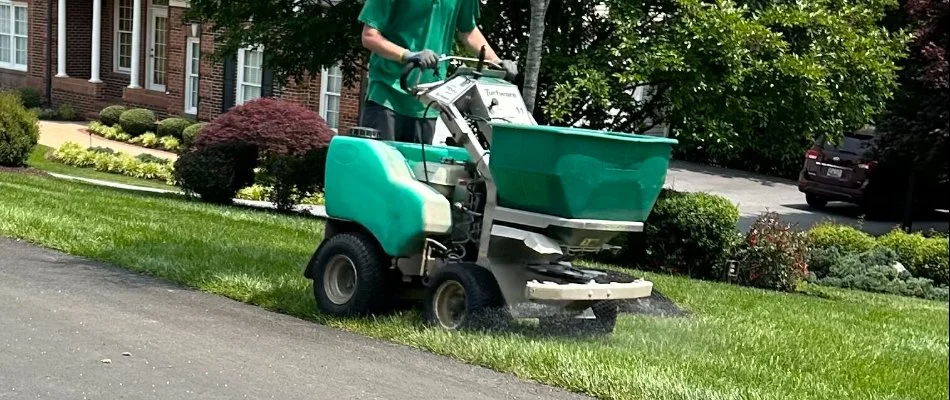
(96, 40)
(136, 43)
(61, 40)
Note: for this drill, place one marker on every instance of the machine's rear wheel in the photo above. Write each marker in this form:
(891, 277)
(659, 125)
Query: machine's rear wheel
(463, 296)
(349, 275)
(605, 313)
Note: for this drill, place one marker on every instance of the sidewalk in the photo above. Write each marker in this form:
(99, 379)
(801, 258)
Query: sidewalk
(55, 133)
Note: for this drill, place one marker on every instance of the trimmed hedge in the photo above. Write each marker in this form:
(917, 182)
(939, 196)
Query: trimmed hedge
(19, 131)
(137, 121)
(922, 256)
(686, 233)
(173, 126)
(191, 133)
(110, 115)
(844, 237)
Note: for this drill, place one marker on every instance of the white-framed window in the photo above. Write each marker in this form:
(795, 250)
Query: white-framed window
(330, 87)
(13, 35)
(192, 57)
(122, 50)
(249, 75)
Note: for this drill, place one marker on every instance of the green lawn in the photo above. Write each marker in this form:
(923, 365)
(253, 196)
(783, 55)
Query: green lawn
(38, 160)
(737, 342)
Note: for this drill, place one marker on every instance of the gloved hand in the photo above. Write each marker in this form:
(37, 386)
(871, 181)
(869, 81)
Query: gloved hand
(511, 69)
(426, 58)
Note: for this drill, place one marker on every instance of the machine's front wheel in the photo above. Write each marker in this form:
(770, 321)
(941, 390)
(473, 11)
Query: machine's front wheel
(349, 276)
(462, 296)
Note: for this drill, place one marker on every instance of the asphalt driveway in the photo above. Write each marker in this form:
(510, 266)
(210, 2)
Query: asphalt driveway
(755, 194)
(74, 329)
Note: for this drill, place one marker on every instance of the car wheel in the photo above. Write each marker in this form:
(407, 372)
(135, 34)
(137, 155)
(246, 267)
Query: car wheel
(815, 201)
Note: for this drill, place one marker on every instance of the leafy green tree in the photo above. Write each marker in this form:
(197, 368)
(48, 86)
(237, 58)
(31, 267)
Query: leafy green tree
(747, 85)
(300, 38)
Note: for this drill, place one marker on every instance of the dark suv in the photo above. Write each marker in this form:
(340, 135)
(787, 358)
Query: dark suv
(837, 172)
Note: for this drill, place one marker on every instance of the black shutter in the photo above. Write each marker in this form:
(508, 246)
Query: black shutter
(230, 77)
(267, 79)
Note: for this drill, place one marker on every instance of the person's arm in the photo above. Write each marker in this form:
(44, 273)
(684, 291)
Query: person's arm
(374, 41)
(474, 40)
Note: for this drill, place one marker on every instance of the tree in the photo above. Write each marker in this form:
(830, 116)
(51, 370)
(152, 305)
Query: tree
(913, 144)
(535, 47)
(747, 85)
(300, 37)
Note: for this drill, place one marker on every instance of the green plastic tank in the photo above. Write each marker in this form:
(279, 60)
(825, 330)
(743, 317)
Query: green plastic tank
(578, 173)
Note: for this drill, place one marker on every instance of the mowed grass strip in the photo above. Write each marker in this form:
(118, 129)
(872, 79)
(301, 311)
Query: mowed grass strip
(737, 343)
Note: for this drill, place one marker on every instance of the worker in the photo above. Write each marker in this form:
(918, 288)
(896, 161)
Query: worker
(398, 32)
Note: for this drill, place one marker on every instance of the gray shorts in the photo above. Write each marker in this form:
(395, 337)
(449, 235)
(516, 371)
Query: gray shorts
(392, 126)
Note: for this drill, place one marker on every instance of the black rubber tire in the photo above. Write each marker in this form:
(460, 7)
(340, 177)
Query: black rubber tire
(484, 303)
(370, 294)
(815, 201)
(605, 311)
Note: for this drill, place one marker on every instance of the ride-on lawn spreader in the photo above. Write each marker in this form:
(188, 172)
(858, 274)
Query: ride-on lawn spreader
(489, 228)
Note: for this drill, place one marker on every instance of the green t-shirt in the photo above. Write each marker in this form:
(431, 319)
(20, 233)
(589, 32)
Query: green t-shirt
(415, 25)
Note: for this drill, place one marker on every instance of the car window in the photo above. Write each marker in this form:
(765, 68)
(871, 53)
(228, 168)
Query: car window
(850, 144)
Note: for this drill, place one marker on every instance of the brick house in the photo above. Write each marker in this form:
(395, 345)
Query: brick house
(94, 53)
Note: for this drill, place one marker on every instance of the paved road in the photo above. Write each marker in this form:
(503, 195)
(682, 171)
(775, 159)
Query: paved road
(755, 194)
(60, 316)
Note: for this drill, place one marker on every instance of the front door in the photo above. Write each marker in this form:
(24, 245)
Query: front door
(156, 71)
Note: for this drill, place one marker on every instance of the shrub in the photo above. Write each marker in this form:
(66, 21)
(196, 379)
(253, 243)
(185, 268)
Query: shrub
(110, 115)
(773, 255)
(44, 113)
(686, 233)
(148, 139)
(66, 112)
(190, 133)
(29, 97)
(137, 121)
(216, 172)
(145, 157)
(118, 163)
(872, 271)
(846, 238)
(100, 149)
(290, 142)
(19, 132)
(924, 257)
(169, 143)
(173, 126)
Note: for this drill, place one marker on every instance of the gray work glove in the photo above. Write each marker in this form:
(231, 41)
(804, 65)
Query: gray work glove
(425, 58)
(511, 69)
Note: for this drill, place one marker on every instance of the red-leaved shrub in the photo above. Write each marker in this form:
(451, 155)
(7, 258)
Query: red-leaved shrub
(287, 140)
(773, 255)
(275, 126)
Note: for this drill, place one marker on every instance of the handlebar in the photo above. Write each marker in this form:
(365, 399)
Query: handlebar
(404, 76)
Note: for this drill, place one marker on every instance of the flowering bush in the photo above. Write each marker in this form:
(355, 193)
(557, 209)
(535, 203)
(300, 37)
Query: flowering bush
(773, 255)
